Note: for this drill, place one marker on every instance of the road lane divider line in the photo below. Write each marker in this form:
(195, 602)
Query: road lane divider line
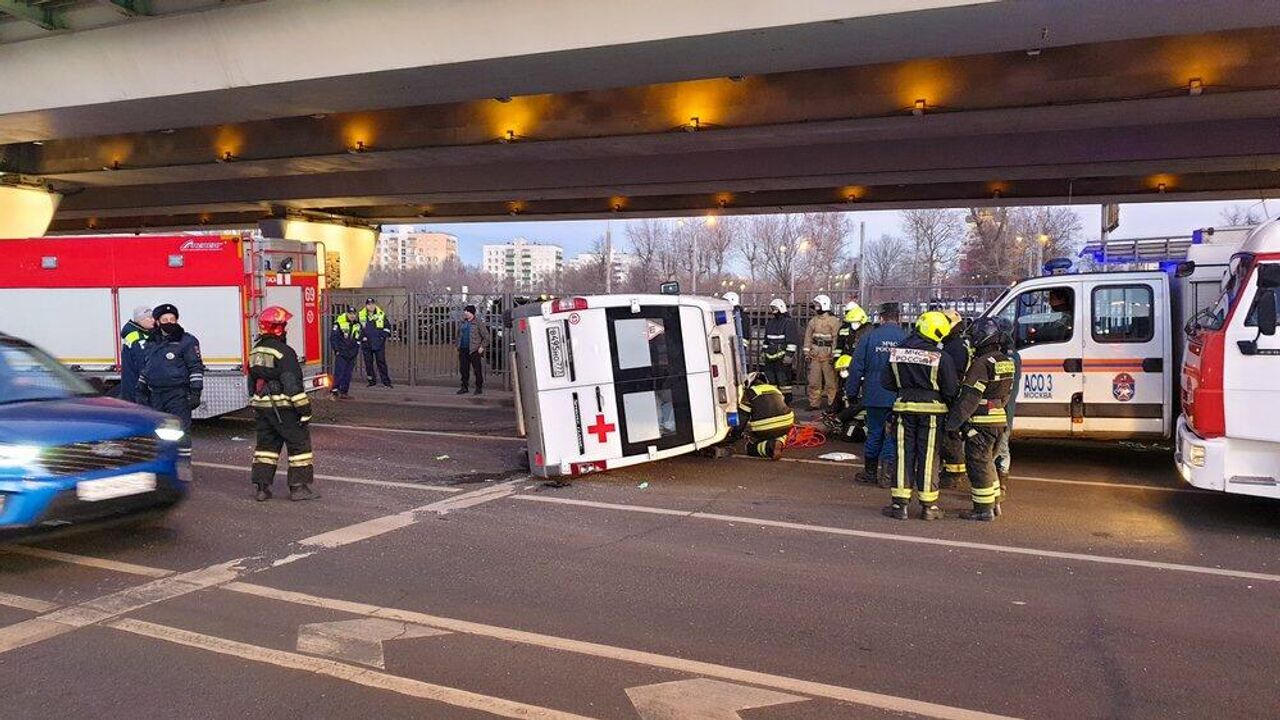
(343, 478)
(636, 657)
(500, 707)
(914, 539)
(86, 561)
(168, 585)
(27, 603)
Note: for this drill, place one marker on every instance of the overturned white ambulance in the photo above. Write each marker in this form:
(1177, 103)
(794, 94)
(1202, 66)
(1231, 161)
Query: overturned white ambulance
(613, 380)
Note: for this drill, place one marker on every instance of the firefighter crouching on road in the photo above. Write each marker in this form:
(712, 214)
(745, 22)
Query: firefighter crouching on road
(172, 377)
(923, 377)
(866, 376)
(781, 341)
(819, 344)
(767, 417)
(956, 345)
(345, 339)
(979, 415)
(281, 407)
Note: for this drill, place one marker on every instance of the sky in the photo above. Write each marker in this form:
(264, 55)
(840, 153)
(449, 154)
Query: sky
(576, 236)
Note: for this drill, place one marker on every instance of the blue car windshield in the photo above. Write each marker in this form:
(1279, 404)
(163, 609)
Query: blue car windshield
(29, 375)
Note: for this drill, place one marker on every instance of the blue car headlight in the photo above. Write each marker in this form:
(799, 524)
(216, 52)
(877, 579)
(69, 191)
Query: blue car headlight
(170, 431)
(18, 455)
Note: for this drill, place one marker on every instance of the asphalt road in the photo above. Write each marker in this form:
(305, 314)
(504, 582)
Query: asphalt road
(435, 579)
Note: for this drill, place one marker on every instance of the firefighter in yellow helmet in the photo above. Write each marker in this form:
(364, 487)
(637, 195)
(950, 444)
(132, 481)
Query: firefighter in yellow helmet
(764, 412)
(855, 323)
(924, 378)
(819, 346)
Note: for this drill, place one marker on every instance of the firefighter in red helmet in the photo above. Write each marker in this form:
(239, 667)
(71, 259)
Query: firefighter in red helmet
(281, 407)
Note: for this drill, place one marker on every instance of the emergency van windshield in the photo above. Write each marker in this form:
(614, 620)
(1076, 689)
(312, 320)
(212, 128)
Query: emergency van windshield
(29, 375)
(1237, 272)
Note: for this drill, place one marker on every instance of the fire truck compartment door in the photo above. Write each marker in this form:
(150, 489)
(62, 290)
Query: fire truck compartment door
(215, 315)
(1046, 317)
(290, 298)
(1127, 336)
(77, 326)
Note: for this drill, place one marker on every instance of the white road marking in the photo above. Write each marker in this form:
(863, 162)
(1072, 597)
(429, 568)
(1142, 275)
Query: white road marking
(342, 671)
(892, 537)
(379, 526)
(26, 603)
(101, 563)
(637, 657)
(702, 699)
(358, 641)
(429, 433)
(344, 479)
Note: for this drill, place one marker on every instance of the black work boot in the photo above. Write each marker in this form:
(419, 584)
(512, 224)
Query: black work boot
(462, 391)
(302, 492)
(985, 513)
(870, 474)
(895, 510)
(930, 512)
(262, 493)
(887, 472)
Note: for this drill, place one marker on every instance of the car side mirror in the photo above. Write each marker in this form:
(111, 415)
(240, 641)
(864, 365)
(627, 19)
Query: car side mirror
(1267, 312)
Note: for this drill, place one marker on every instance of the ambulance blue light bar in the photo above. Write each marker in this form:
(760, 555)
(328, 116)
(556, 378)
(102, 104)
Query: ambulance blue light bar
(722, 317)
(732, 418)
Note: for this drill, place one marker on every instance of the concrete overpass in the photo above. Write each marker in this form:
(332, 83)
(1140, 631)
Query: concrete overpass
(193, 112)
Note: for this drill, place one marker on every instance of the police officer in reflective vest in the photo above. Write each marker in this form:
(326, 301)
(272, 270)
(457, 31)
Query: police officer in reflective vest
(768, 418)
(133, 351)
(923, 377)
(781, 341)
(172, 378)
(344, 340)
(281, 409)
(956, 345)
(373, 326)
(979, 414)
(819, 344)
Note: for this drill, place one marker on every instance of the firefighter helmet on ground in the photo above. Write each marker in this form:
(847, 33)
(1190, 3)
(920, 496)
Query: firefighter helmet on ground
(778, 305)
(933, 325)
(271, 321)
(823, 303)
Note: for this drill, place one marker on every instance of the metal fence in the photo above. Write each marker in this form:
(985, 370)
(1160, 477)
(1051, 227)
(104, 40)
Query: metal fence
(422, 348)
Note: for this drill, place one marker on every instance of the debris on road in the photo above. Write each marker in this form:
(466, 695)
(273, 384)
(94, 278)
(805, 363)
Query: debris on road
(643, 485)
(838, 456)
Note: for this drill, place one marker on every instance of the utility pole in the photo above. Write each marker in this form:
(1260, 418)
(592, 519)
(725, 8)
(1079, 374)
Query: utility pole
(608, 260)
(862, 255)
(696, 262)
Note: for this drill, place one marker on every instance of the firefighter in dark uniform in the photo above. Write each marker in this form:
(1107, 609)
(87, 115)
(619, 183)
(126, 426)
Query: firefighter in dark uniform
(281, 407)
(781, 341)
(979, 413)
(957, 346)
(763, 410)
(172, 377)
(344, 340)
(923, 377)
(852, 328)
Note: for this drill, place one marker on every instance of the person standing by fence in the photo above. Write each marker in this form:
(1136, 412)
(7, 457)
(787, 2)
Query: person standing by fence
(373, 325)
(474, 340)
(345, 339)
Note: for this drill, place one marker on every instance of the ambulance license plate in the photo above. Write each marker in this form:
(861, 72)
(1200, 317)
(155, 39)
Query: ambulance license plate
(114, 487)
(556, 350)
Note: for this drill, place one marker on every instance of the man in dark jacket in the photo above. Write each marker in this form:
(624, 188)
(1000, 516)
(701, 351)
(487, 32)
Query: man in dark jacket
(474, 340)
(923, 377)
(870, 363)
(172, 378)
(133, 351)
(957, 346)
(345, 340)
(979, 414)
(374, 329)
(781, 341)
(1004, 457)
(281, 409)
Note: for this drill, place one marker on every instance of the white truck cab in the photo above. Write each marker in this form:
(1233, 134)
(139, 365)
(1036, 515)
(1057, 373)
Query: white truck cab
(613, 380)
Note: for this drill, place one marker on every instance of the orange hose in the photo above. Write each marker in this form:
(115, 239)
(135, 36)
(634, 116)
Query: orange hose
(805, 436)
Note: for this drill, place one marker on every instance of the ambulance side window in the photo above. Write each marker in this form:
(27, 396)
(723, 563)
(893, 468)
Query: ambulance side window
(650, 415)
(1041, 317)
(641, 343)
(1122, 313)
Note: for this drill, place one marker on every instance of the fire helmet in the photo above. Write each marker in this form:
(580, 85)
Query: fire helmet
(854, 314)
(822, 303)
(933, 325)
(271, 320)
(733, 298)
(778, 305)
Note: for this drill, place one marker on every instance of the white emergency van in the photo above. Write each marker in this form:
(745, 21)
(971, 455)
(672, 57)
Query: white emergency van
(1229, 432)
(1101, 351)
(613, 380)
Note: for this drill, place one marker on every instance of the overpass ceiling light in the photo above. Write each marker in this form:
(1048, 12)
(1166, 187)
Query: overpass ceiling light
(695, 124)
(737, 78)
(503, 98)
(919, 107)
(358, 148)
(1195, 86)
(1160, 188)
(227, 156)
(115, 165)
(37, 143)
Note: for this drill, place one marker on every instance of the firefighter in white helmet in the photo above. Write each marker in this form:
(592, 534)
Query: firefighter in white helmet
(781, 341)
(819, 346)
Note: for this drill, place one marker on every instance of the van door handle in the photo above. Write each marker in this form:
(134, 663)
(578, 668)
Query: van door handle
(1152, 365)
(1073, 365)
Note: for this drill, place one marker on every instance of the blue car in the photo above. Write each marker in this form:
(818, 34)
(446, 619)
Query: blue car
(70, 456)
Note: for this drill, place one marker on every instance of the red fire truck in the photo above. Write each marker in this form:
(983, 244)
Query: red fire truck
(70, 296)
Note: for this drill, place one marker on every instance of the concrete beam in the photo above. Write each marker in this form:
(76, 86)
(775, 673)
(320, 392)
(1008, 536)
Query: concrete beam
(44, 17)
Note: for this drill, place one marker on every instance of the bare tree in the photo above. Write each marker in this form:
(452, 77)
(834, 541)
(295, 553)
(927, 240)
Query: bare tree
(886, 260)
(650, 242)
(717, 239)
(825, 257)
(934, 236)
(591, 275)
(1241, 215)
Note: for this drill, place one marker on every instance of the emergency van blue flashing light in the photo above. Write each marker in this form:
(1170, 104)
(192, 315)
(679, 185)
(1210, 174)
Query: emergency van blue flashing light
(722, 317)
(1169, 265)
(732, 418)
(1197, 237)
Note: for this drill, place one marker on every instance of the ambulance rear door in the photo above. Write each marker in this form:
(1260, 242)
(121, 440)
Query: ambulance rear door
(1045, 314)
(650, 371)
(1127, 350)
